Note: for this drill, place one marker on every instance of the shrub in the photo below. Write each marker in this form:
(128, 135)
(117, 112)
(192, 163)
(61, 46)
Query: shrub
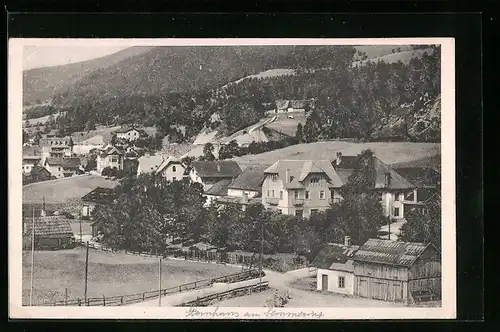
(279, 299)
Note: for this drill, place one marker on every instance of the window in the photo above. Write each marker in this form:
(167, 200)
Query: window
(314, 211)
(381, 197)
(296, 194)
(314, 179)
(173, 169)
(273, 193)
(268, 194)
(174, 178)
(341, 282)
(59, 169)
(299, 213)
(281, 194)
(322, 194)
(396, 212)
(308, 196)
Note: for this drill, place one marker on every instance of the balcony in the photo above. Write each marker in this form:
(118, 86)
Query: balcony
(298, 202)
(271, 200)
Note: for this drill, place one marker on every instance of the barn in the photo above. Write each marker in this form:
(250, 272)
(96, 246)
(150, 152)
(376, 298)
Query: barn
(397, 271)
(51, 233)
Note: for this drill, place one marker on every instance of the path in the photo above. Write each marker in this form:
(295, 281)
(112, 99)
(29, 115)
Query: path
(395, 229)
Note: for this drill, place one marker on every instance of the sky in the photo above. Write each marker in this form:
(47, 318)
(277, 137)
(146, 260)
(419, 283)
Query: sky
(46, 56)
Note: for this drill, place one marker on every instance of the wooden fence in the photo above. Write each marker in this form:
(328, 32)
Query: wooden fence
(140, 297)
(240, 291)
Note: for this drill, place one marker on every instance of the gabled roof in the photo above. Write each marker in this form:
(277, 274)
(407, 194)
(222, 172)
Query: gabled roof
(168, 161)
(390, 252)
(37, 170)
(49, 226)
(219, 188)
(334, 254)
(64, 162)
(100, 195)
(126, 130)
(298, 170)
(110, 150)
(250, 179)
(420, 176)
(149, 164)
(217, 169)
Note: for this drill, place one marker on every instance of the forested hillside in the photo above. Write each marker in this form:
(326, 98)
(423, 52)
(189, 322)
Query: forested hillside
(183, 86)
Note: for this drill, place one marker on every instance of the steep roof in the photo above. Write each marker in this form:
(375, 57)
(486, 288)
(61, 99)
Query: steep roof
(100, 195)
(333, 254)
(49, 226)
(390, 252)
(110, 150)
(250, 179)
(420, 176)
(125, 130)
(299, 169)
(219, 188)
(37, 170)
(217, 169)
(148, 164)
(168, 161)
(64, 162)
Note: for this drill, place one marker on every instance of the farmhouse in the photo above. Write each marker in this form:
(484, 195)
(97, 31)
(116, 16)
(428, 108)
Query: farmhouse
(208, 173)
(51, 232)
(149, 164)
(397, 271)
(335, 267)
(300, 187)
(37, 174)
(130, 134)
(172, 169)
(62, 167)
(29, 162)
(110, 157)
(394, 190)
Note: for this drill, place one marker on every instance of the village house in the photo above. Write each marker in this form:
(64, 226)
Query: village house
(51, 232)
(300, 187)
(110, 157)
(129, 134)
(37, 174)
(98, 196)
(63, 167)
(397, 271)
(29, 162)
(56, 147)
(289, 106)
(393, 189)
(335, 267)
(208, 173)
(172, 169)
(148, 164)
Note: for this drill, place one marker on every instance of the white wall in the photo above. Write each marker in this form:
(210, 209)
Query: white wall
(333, 281)
(169, 174)
(240, 192)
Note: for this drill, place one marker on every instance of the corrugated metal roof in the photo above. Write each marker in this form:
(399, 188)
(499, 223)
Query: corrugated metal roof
(389, 252)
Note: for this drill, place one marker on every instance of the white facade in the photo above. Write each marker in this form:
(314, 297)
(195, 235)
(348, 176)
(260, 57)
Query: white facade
(241, 193)
(55, 170)
(393, 203)
(173, 172)
(336, 281)
(111, 161)
(130, 135)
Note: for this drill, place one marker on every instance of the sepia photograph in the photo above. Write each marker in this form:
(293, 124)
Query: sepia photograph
(234, 179)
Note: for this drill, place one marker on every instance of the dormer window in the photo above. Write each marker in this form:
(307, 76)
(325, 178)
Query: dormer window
(315, 179)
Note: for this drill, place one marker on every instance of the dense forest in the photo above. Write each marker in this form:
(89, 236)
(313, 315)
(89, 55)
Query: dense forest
(160, 89)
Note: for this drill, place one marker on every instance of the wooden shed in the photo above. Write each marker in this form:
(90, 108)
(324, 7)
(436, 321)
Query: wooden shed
(51, 233)
(397, 271)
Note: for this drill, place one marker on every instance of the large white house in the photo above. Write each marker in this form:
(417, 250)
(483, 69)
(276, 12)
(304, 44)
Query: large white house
(110, 157)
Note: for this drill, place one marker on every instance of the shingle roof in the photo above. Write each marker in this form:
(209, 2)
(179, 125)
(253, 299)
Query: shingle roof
(250, 179)
(49, 226)
(66, 163)
(299, 169)
(166, 162)
(100, 195)
(333, 254)
(217, 169)
(219, 188)
(148, 164)
(420, 176)
(390, 252)
(110, 150)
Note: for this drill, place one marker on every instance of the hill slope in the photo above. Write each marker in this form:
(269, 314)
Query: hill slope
(42, 83)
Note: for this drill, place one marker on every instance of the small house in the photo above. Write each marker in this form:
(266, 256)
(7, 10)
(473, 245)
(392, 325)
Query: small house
(63, 167)
(171, 169)
(335, 269)
(37, 174)
(129, 134)
(208, 173)
(248, 183)
(51, 233)
(96, 197)
(397, 271)
(109, 157)
(29, 162)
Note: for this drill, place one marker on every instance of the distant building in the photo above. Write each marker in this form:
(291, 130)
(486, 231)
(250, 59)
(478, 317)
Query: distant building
(98, 196)
(248, 183)
(51, 233)
(172, 169)
(300, 187)
(29, 162)
(63, 167)
(208, 173)
(335, 267)
(129, 134)
(289, 106)
(110, 157)
(397, 271)
(393, 189)
(37, 174)
(56, 147)
(149, 164)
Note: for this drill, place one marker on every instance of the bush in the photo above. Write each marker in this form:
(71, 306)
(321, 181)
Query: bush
(279, 299)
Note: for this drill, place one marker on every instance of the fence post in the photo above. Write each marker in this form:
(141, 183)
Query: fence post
(180, 288)
(103, 300)
(195, 284)
(121, 300)
(79, 303)
(143, 296)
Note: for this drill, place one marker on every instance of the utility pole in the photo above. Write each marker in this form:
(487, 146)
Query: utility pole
(389, 223)
(81, 229)
(159, 283)
(86, 271)
(261, 250)
(32, 255)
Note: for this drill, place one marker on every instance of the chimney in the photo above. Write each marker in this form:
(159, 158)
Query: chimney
(339, 158)
(387, 179)
(347, 241)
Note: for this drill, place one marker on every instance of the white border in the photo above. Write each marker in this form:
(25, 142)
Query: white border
(448, 309)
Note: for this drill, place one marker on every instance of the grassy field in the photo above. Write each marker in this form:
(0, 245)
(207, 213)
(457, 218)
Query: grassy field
(59, 191)
(109, 274)
(390, 153)
(403, 56)
(288, 126)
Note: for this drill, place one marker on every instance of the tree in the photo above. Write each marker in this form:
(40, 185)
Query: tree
(423, 227)
(208, 150)
(299, 135)
(114, 139)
